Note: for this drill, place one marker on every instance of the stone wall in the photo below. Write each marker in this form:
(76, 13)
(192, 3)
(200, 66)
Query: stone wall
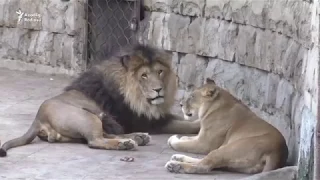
(49, 37)
(263, 52)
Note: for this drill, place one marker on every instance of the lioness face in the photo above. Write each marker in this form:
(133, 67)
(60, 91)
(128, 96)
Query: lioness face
(151, 81)
(191, 104)
(198, 97)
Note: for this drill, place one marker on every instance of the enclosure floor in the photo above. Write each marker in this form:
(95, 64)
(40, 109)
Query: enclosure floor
(21, 93)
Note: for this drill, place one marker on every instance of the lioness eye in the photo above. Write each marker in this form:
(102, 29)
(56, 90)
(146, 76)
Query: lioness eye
(144, 75)
(160, 72)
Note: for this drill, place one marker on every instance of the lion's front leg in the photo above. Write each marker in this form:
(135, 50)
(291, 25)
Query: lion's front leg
(140, 138)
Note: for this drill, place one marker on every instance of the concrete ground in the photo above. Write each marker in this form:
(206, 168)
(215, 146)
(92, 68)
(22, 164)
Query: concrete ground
(21, 94)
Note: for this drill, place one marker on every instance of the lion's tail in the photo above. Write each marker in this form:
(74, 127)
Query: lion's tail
(27, 138)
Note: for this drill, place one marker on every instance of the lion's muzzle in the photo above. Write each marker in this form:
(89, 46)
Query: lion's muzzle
(158, 97)
(157, 100)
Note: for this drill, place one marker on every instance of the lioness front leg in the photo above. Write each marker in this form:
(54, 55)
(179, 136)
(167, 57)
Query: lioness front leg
(184, 158)
(180, 126)
(243, 156)
(140, 138)
(187, 168)
(190, 145)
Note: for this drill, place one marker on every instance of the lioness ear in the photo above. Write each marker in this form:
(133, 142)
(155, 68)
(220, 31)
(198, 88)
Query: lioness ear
(190, 87)
(210, 81)
(209, 93)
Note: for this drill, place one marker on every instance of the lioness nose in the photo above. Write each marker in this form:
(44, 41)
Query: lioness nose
(157, 90)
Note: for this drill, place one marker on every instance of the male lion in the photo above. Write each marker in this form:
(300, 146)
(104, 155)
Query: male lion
(112, 103)
(231, 135)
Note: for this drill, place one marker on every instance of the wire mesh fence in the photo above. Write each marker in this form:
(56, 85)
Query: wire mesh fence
(111, 25)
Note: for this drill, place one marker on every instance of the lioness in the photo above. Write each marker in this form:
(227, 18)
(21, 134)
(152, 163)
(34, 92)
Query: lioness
(112, 103)
(231, 135)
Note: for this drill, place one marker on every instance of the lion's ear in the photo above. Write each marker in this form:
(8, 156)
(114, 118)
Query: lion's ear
(125, 60)
(210, 81)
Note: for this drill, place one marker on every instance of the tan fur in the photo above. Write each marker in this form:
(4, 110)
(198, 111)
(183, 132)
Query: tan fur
(73, 117)
(231, 136)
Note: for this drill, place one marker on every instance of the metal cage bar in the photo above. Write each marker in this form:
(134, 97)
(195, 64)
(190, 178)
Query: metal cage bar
(111, 25)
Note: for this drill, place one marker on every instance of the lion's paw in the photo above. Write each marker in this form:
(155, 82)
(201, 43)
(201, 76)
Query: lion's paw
(174, 167)
(127, 144)
(177, 157)
(172, 140)
(142, 139)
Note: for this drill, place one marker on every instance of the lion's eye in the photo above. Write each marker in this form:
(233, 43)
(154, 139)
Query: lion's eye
(144, 75)
(160, 72)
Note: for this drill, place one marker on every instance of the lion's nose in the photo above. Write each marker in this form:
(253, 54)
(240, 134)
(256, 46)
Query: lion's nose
(157, 90)
(189, 114)
(181, 104)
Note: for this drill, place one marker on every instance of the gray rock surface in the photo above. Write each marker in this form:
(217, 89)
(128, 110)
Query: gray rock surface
(190, 70)
(286, 173)
(247, 45)
(49, 33)
(279, 16)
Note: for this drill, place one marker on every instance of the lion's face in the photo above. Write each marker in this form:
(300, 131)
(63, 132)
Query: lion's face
(198, 97)
(151, 80)
(146, 80)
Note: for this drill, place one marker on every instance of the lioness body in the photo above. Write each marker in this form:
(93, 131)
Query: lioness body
(111, 104)
(231, 136)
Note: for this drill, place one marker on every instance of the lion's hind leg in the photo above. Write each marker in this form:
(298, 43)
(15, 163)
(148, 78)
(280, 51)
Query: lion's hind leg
(94, 135)
(47, 133)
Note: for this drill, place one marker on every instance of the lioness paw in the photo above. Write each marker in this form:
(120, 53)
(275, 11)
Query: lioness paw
(172, 140)
(174, 167)
(127, 144)
(185, 138)
(142, 139)
(177, 157)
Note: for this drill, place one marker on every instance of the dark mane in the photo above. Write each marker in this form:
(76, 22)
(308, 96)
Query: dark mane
(147, 52)
(105, 92)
